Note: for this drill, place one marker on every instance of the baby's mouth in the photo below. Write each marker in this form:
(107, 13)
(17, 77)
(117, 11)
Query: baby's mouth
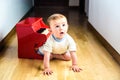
(61, 32)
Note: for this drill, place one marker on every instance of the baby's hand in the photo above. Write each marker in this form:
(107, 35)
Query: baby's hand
(75, 68)
(47, 71)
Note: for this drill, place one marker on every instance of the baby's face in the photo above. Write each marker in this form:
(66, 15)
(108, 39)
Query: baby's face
(59, 27)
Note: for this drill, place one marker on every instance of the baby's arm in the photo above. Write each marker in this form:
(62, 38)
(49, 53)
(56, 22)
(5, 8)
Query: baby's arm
(46, 61)
(74, 66)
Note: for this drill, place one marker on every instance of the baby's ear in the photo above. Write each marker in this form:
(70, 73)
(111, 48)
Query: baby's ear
(50, 30)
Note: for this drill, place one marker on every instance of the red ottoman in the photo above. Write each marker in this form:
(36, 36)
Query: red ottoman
(31, 34)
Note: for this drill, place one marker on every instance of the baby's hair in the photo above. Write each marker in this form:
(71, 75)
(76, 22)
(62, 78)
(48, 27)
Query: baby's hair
(55, 17)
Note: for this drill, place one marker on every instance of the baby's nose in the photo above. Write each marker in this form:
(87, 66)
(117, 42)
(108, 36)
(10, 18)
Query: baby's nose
(61, 27)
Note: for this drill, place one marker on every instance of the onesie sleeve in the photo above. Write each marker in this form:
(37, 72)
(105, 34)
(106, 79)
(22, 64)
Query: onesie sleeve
(48, 45)
(72, 44)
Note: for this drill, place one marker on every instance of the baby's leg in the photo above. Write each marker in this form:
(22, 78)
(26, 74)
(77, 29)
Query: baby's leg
(66, 56)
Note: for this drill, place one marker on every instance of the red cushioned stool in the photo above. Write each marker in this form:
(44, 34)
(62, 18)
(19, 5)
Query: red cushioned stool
(30, 34)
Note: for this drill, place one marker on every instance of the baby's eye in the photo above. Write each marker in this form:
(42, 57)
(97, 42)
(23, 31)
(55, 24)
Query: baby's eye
(63, 25)
(57, 26)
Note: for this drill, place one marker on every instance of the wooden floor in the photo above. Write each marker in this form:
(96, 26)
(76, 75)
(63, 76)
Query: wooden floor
(93, 58)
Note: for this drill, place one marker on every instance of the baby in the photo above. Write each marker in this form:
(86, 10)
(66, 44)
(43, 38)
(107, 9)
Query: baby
(59, 45)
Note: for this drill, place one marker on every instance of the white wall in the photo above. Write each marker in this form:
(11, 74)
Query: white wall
(11, 11)
(104, 15)
(73, 2)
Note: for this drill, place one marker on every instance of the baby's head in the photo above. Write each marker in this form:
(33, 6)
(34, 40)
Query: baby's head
(58, 25)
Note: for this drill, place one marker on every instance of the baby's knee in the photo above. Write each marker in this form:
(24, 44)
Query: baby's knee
(67, 56)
